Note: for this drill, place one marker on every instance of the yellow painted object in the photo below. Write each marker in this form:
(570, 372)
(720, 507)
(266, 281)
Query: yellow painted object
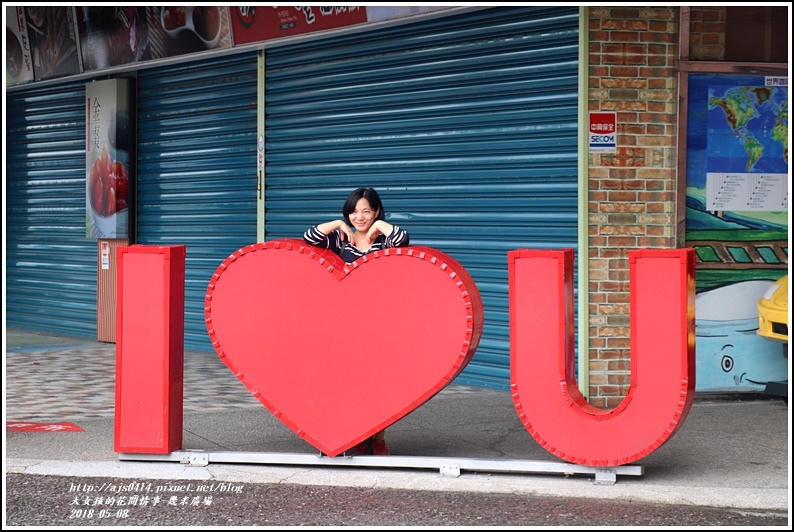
(773, 311)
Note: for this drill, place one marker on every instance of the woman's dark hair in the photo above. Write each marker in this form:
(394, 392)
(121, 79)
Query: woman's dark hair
(371, 196)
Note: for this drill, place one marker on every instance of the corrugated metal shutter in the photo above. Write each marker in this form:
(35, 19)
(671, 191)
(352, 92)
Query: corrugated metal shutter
(466, 125)
(51, 267)
(197, 168)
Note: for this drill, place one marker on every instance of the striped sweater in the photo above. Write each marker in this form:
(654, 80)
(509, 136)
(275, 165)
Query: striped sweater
(349, 253)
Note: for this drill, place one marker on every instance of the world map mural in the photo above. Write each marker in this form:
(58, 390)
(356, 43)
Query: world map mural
(737, 178)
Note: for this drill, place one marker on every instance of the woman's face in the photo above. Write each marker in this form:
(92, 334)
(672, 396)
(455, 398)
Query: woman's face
(363, 216)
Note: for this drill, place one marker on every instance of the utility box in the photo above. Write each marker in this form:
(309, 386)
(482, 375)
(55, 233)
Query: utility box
(150, 324)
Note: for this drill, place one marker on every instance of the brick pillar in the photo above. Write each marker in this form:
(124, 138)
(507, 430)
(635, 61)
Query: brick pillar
(632, 193)
(707, 33)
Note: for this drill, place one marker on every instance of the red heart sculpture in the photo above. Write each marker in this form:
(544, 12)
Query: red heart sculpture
(340, 351)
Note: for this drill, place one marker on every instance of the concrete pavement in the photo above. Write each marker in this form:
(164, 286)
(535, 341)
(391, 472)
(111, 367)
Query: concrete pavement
(731, 452)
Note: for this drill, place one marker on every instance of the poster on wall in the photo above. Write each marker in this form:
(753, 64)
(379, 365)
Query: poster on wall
(19, 60)
(53, 41)
(737, 156)
(45, 42)
(737, 220)
(178, 30)
(261, 23)
(112, 35)
(747, 145)
(107, 159)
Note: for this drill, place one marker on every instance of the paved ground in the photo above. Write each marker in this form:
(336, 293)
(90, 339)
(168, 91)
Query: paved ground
(38, 500)
(730, 452)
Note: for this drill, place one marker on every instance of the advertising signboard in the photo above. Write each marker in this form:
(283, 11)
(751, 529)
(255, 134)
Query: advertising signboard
(112, 35)
(53, 41)
(44, 42)
(107, 159)
(19, 60)
(260, 23)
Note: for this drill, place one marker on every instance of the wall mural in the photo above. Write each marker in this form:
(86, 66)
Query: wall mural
(737, 220)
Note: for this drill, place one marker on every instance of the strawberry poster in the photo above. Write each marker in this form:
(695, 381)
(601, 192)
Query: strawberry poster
(107, 159)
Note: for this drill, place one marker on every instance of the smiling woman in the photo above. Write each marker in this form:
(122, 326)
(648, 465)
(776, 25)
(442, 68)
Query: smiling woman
(363, 210)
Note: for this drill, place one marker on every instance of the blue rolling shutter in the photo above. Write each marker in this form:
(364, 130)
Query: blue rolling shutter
(197, 168)
(466, 125)
(51, 267)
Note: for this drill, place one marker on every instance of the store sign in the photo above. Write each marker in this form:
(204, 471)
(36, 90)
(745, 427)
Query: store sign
(602, 136)
(261, 23)
(107, 159)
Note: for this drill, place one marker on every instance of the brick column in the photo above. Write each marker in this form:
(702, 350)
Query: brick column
(632, 53)
(707, 33)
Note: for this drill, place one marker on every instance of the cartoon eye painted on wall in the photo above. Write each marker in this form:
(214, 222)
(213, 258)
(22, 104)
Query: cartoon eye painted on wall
(726, 363)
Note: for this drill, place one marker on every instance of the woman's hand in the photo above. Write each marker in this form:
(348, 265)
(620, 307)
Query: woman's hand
(329, 227)
(346, 232)
(379, 226)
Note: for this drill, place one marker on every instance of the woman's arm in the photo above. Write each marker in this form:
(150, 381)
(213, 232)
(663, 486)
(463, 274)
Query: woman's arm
(395, 236)
(329, 227)
(329, 235)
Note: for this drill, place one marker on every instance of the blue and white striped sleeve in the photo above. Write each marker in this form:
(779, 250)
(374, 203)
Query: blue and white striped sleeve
(398, 238)
(315, 237)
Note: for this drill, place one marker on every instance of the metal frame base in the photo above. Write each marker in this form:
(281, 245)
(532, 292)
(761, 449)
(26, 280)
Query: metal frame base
(449, 467)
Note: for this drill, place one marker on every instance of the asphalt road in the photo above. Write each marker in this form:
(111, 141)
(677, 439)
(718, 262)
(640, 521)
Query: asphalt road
(38, 500)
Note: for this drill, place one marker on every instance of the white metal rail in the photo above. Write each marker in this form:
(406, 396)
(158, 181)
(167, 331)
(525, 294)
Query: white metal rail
(450, 467)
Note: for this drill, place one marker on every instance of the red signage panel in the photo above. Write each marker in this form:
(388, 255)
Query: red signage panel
(109, 167)
(603, 132)
(260, 23)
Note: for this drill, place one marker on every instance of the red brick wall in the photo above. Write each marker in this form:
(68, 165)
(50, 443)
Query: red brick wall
(632, 56)
(707, 33)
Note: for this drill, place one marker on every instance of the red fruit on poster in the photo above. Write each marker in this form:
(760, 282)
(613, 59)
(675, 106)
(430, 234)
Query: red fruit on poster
(110, 201)
(106, 163)
(97, 192)
(120, 182)
(108, 185)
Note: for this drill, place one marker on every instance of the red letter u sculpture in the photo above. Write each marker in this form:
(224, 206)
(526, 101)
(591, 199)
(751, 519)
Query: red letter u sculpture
(543, 380)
